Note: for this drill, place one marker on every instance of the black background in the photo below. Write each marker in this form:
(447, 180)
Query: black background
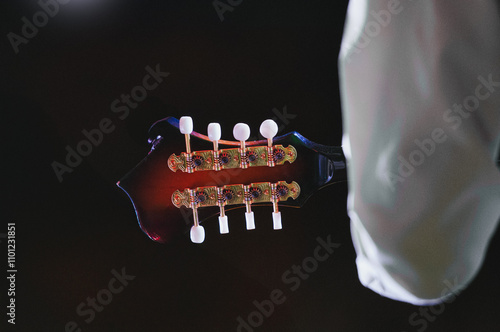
(70, 235)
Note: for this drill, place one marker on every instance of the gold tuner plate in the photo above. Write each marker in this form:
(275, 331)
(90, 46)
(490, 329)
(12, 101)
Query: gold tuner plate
(260, 192)
(231, 158)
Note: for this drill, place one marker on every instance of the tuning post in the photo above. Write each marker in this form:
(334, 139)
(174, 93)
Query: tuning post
(269, 129)
(276, 214)
(241, 133)
(221, 201)
(186, 128)
(197, 232)
(249, 215)
(214, 134)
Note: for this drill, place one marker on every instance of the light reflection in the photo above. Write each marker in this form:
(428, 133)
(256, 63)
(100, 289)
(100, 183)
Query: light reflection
(84, 12)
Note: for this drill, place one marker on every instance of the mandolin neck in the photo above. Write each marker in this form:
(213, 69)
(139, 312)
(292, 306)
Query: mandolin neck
(335, 160)
(331, 163)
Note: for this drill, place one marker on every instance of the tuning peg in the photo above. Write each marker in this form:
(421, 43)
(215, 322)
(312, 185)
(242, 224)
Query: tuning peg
(241, 132)
(197, 234)
(214, 134)
(186, 128)
(269, 129)
(223, 226)
(214, 131)
(250, 220)
(277, 220)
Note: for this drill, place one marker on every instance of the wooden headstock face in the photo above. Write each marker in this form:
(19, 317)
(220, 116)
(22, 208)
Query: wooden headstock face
(167, 199)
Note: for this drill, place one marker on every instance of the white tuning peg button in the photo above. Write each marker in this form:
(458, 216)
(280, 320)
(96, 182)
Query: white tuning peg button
(277, 220)
(197, 234)
(241, 132)
(186, 128)
(269, 129)
(249, 217)
(186, 125)
(214, 132)
(223, 226)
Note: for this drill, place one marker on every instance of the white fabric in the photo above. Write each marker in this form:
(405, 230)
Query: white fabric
(420, 87)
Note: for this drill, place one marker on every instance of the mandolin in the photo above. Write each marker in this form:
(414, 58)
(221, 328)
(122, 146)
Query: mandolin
(173, 191)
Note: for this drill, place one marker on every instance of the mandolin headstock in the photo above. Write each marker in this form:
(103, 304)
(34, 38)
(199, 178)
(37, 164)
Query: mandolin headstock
(175, 188)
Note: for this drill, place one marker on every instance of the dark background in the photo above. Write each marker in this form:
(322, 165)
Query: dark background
(70, 235)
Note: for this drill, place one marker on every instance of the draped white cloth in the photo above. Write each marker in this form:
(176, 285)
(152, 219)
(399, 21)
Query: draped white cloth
(420, 87)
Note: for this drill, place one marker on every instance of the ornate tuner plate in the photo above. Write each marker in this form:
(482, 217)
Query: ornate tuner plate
(260, 192)
(230, 158)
